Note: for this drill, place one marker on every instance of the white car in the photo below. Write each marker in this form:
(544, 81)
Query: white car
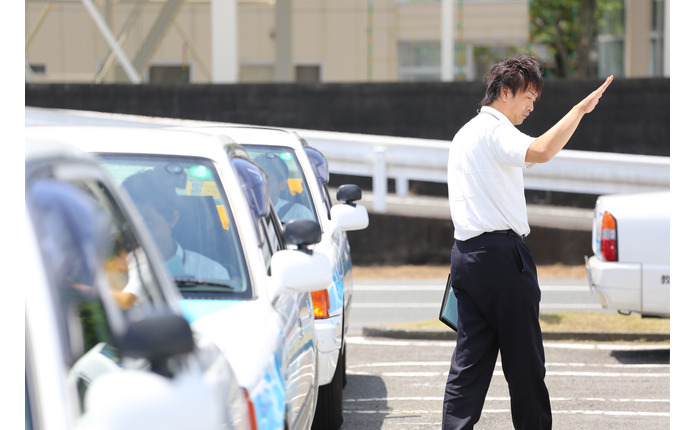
(630, 268)
(207, 208)
(93, 358)
(298, 189)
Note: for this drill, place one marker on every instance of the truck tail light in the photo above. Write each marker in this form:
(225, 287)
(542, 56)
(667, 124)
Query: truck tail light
(609, 238)
(322, 303)
(251, 411)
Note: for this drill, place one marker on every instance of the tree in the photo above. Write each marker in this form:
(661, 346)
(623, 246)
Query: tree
(570, 29)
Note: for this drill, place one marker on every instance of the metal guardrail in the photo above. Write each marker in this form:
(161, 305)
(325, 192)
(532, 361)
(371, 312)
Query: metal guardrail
(558, 217)
(408, 159)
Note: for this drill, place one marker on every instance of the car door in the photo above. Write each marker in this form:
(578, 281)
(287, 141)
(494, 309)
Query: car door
(94, 259)
(156, 293)
(299, 346)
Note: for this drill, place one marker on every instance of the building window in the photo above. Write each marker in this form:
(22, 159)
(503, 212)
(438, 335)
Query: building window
(419, 61)
(38, 69)
(611, 42)
(308, 73)
(170, 74)
(657, 38)
(262, 73)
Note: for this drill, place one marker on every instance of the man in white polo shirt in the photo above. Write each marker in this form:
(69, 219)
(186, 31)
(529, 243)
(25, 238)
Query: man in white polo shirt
(492, 271)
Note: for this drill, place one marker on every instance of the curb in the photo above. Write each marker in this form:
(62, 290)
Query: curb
(552, 335)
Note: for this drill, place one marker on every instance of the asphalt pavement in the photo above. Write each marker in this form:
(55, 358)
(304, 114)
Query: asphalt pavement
(396, 377)
(396, 384)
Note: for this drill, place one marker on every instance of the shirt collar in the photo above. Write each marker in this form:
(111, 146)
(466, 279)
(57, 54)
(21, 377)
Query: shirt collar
(179, 251)
(494, 112)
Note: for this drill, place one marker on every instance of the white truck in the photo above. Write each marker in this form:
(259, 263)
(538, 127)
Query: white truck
(630, 268)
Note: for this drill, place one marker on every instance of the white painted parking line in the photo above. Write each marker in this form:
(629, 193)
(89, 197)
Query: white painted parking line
(395, 305)
(401, 364)
(508, 411)
(413, 374)
(440, 287)
(399, 287)
(437, 400)
(612, 413)
(568, 306)
(396, 399)
(503, 399)
(362, 340)
(571, 306)
(499, 364)
(607, 365)
(605, 374)
(607, 346)
(547, 374)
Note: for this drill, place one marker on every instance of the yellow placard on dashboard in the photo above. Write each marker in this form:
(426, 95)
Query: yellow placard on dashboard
(224, 218)
(210, 189)
(296, 186)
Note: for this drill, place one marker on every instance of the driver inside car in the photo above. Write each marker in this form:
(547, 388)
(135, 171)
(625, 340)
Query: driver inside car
(155, 197)
(286, 207)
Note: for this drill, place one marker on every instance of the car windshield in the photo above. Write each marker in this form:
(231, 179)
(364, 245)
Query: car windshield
(288, 187)
(181, 202)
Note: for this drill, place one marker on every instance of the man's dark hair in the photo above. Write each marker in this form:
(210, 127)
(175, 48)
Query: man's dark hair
(519, 73)
(273, 165)
(149, 186)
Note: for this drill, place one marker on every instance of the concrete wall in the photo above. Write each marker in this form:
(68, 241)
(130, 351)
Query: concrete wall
(633, 116)
(393, 240)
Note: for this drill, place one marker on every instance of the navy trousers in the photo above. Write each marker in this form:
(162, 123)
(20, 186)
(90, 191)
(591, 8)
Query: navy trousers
(495, 282)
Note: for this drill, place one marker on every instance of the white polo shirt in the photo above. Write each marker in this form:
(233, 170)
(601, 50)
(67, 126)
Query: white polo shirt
(485, 176)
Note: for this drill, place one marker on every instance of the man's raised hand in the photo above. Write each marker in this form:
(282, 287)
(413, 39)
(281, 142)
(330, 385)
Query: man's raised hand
(589, 103)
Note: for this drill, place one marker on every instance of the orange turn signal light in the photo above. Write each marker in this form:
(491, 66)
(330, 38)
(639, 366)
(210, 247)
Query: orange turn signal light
(322, 303)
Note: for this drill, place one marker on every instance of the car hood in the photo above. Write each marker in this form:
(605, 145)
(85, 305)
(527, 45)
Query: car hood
(248, 333)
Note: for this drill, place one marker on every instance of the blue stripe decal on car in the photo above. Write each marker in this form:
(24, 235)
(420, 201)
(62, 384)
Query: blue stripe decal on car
(269, 400)
(194, 309)
(335, 293)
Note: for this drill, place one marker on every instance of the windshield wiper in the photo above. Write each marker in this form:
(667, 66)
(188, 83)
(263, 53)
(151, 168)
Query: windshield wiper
(192, 282)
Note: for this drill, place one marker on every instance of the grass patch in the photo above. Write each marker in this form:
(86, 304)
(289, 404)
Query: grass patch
(593, 322)
(440, 272)
(599, 322)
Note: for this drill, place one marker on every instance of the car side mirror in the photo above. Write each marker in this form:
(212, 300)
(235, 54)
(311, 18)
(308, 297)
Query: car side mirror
(297, 271)
(350, 216)
(156, 338)
(302, 233)
(300, 270)
(349, 193)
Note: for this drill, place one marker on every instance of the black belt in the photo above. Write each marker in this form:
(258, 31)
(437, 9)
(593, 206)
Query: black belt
(509, 232)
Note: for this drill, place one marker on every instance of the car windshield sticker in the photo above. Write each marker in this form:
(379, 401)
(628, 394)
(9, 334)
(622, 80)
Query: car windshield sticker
(199, 172)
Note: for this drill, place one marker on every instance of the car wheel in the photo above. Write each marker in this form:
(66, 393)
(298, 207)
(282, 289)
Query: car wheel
(329, 408)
